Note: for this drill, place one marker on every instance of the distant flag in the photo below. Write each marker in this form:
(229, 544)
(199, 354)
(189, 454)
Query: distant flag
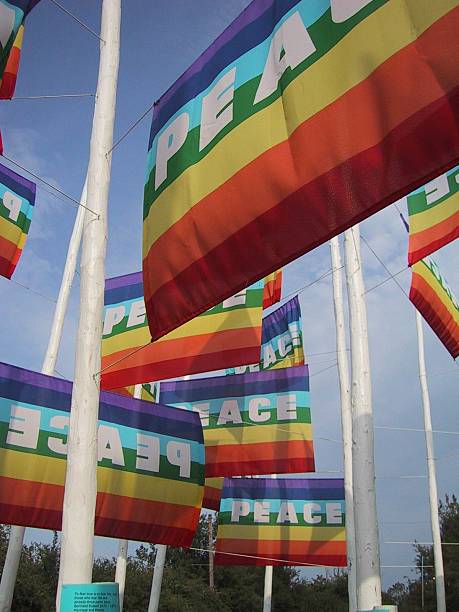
(12, 16)
(283, 521)
(257, 423)
(226, 335)
(436, 302)
(149, 392)
(433, 215)
(281, 340)
(273, 289)
(248, 169)
(17, 199)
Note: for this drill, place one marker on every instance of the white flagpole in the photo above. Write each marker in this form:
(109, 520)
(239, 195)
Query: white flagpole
(268, 589)
(433, 495)
(363, 469)
(81, 479)
(160, 560)
(121, 560)
(346, 418)
(16, 539)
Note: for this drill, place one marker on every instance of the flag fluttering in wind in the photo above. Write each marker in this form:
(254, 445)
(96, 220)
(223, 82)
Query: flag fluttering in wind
(17, 200)
(273, 289)
(436, 302)
(12, 17)
(284, 521)
(150, 475)
(226, 335)
(212, 493)
(257, 423)
(300, 120)
(281, 340)
(433, 215)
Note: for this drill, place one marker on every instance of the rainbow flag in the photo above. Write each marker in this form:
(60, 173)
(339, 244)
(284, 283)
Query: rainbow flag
(151, 461)
(12, 16)
(273, 289)
(17, 199)
(257, 423)
(251, 149)
(433, 215)
(436, 302)
(281, 340)
(226, 335)
(149, 392)
(212, 493)
(284, 521)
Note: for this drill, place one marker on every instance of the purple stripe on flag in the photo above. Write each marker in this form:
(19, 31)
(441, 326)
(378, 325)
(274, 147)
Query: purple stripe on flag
(17, 183)
(123, 281)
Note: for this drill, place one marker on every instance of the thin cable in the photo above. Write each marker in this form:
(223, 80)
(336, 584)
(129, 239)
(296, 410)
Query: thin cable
(287, 562)
(39, 178)
(317, 280)
(391, 277)
(437, 431)
(80, 95)
(384, 266)
(129, 130)
(86, 27)
(324, 369)
(425, 543)
(46, 297)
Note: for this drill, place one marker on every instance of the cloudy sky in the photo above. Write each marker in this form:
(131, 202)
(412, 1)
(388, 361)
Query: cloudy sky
(51, 138)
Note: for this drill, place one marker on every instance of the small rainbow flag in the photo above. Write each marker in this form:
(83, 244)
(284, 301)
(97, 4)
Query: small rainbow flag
(150, 476)
(251, 150)
(273, 289)
(226, 335)
(283, 521)
(17, 199)
(281, 340)
(257, 423)
(212, 493)
(436, 302)
(12, 16)
(433, 215)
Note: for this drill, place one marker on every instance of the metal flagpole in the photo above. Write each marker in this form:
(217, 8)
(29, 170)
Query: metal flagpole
(346, 418)
(433, 495)
(121, 560)
(81, 481)
(10, 568)
(363, 469)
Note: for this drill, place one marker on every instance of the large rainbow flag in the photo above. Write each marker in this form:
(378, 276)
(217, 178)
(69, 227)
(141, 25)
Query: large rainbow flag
(151, 461)
(281, 340)
(436, 302)
(226, 335)
(257, 423)
(284, 521)
(251, 150)
(17, 200)
(433, 215)
(12, 16)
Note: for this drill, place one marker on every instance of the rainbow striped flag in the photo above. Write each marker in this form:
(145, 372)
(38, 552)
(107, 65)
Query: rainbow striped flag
(12, 16)
(273, 289)
(281, 340)
(226, 335)
(284, 521)
(251, 149)
(151, 461)
(212, 493)
(17, 200)
(257, 423)
(433, 215)
(436, 302)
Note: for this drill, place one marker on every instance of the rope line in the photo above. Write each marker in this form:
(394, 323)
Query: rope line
(53, 96)
(75, 18)
(129, 130)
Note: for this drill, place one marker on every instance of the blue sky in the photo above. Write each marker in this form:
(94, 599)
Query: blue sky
(51, 137)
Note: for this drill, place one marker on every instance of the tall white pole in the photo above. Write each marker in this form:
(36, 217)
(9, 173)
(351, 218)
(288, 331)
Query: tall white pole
(120, 572)
(155, 593)
(121, 560)
(81, 480)
(363, 469)
(433, 495)
(268, 589)
(16, 539)
(346, 418)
